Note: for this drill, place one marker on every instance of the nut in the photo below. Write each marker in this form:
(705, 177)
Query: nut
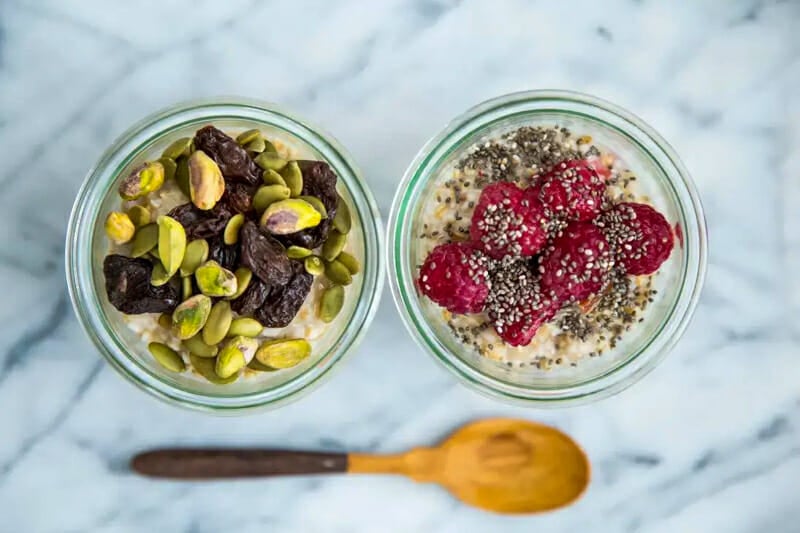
(270, 177)
(206, 184)
(186, 288)
(170, 166)
(214, 280)
(333, 245)
(119, 227)
(248, 136)
(171, 243)
(196, 254)
(283, 353)
(205, 367)
(159, 276)
(166, 357)
(350, 262)
(218, 323)
(258, 366)
(182, 175)
(297, 252)
(196, 346)
(293, 177)
(139, 215)
(256, 146)
(243, 278)
(342, 220)
(270, 160)
(235, 355)
(314, 265)
(338, 273)
(231, 234)
(180, 147)
(190, 316)
(145, 240)
(143, 180)
(290, 216)
(247, 327)
(268, 195)
(317, 204)
(331, 303)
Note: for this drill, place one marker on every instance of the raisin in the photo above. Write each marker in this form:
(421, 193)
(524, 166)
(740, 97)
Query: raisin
(252, 298)
(201, 224)
(264, 256)
(318, 180)
(239, 197)
(129, 290)
(224, 254)
(283, 303)
(233, 160)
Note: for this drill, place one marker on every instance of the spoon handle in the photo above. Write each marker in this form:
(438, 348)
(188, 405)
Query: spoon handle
(221, 463)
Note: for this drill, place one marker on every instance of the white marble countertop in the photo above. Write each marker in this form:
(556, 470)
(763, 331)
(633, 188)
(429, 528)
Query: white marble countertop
(709, 442)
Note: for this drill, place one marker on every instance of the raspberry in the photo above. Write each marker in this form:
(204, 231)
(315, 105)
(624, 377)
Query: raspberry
(455, 276)
(641, 237)
(507, 222)
(573, 190)
(576, 264)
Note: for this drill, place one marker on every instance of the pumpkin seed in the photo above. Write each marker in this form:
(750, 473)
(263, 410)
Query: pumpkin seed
(270, 160)
(218, 323)
(190, 316)
(243, 277)
(139, 215)
(270, 177)
(331, 303)
(256, 146)
(231, 235)
(283, 353)
(196, 254)
(235, 355)
(196, 346)
(338, 273)
(214, 280)
(171, 243)
(269, 147)
(293, 177)
(186, 288)
(268, 195)
(180, 147)
(342, 220)
(145, 240)
(165, 320)
(154, 252)
(205, 367)
(159, 276)
(333, 245)
(298, 252)
(314, 265)
(317, 204)
(258, 366)
(170, 166)
(182, 175)
(119, 227)
(350, 262)
(247, 327)
(248, 136)
(166, 357)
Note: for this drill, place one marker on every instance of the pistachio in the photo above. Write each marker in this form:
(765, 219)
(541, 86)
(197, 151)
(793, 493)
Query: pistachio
(196, 346)
(206, 184)
(283, 353)
(235, 355)
(218, 323)
(143, 180)
(289, 216)
(297, 252)
(159, 276)
(248, 136)
(270, 177)
(196, 254)
(165, 320)
(243, 278)
(247, 327)
(338, 273)
(166, 357)
(145, 240)
(268, 195)
(293, 177)
(256, 146)
(317, 204)
(258, 366)
(350, 262)
(270, 160)
(214, 280)
(342, 221)
(333, 245)
(171, 243)
(330, 303)
(170, 166)
(119, 227)
(186, 288)
(205, 367)
(314, 265)
(231, 234)
(182, 175)
(190, 316)
(180, 147)
(139, 215)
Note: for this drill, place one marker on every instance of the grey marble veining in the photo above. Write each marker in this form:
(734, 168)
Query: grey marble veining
(710, 441)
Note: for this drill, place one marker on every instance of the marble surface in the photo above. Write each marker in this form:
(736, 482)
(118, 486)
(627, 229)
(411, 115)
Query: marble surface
(709, 442)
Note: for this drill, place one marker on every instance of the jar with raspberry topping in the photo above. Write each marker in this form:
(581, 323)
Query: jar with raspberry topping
(547, 247)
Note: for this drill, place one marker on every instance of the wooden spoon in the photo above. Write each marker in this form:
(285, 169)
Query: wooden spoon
(500, 465)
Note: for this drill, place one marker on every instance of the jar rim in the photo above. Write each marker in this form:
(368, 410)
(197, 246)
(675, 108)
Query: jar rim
(480, 119)
(101, 178)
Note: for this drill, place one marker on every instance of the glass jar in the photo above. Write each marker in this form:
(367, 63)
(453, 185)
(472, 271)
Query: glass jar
(87, 245)
(661, 175)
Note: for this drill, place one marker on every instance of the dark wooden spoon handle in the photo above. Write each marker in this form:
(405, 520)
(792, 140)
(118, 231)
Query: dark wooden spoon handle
(220, 463)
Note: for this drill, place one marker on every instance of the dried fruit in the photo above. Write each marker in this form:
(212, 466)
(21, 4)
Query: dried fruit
(270, 177)
(333, 245)
(232, 159)
(239, 197)
(252, 298)
(196, 346)
(293, 177)
(231, 235)
(235, 355)
(179, 147)
(170, 168)
(144, 179)
(289, 216)
(243, 278)
(225, 255)
(349, 261)
(314, 265)
(205, 367)
(573, 190)
(338, 273)
(640, 236)
(285, 300)
(159, 276)
(268, 195)
(455, 276)
(247, 327)
(171, 243)
(297, 252)
(283, 353)
(218, 323)
(139, 215)
(316, 203)
(119, 227)
(195, 255)
(330, 303)
(190, 316)
(202, 224)
(166, 357)
(264, 256)
(270, 160)
(206, 185)
(129, 290)
(343, 220)
(214, 280)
